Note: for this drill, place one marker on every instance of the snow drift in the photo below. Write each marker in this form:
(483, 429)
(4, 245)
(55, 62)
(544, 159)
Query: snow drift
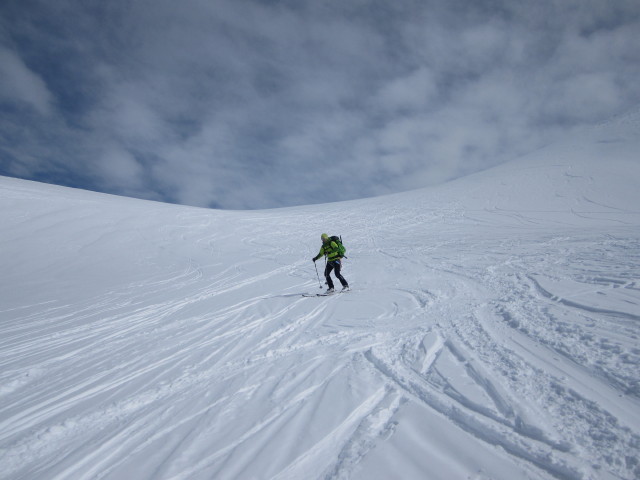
(492, 330)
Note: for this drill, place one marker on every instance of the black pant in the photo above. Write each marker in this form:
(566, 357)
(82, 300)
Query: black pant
(334, 265)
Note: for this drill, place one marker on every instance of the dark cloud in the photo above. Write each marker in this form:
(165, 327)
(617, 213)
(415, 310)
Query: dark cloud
(252, 104)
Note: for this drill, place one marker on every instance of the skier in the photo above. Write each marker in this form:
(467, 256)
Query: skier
(334, 254)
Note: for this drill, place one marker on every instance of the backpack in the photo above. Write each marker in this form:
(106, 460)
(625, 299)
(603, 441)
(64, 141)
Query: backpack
(341, 248)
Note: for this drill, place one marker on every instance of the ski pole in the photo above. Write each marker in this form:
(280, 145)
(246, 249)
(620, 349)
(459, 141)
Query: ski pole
(317, 274)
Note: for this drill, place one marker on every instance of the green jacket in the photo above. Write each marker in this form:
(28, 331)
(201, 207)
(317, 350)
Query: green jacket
(330, 249)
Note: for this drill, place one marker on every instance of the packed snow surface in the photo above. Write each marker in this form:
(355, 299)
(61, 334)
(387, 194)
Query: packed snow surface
(492, 330)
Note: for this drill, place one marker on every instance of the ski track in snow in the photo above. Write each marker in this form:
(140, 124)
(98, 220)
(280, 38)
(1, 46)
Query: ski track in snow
(213, 365)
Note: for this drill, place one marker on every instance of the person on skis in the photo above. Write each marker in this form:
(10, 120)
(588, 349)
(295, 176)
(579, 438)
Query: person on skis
(334, 256)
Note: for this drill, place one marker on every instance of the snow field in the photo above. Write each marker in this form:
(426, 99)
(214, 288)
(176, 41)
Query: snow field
(492, 331)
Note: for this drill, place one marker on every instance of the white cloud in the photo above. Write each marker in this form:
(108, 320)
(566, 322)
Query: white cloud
(125, 111)
(416, 91)
(20, 84)
(586, 97)
(119, 169)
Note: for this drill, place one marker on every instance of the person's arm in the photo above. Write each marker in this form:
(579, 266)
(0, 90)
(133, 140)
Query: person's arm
(320, 253)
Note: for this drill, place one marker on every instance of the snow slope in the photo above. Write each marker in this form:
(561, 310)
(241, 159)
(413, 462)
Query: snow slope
(492, 331)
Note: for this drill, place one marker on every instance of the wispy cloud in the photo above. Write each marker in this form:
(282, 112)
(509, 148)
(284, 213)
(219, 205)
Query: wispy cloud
(251, 104)
(21, 86)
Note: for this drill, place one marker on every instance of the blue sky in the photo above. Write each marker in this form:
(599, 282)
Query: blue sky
(241, 104)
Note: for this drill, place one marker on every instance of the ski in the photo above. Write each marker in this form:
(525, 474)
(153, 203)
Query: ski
(324, 294)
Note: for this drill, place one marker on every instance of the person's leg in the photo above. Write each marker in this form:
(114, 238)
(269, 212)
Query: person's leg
(327, 274)
(339, 276)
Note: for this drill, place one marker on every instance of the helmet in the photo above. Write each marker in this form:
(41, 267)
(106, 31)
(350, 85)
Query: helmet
(324, 237)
